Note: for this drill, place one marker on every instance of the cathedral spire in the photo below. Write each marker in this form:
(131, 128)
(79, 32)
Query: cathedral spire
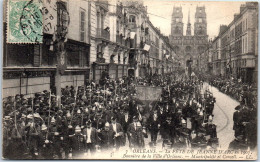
(189, 17)
(188, 31)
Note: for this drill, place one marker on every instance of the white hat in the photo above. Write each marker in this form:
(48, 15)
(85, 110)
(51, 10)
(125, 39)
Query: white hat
(210, 117)
(79, 111)
(77, 129)
(201, 113)
(29, 116)
(44, 127)
(198, 110)
(183, 121)
(68, 115)
(86, 110)
(107, 124)
(52, 120)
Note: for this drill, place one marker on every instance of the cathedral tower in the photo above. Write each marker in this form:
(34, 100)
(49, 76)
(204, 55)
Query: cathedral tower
(188, 31)
(200, 25)
(177, 24)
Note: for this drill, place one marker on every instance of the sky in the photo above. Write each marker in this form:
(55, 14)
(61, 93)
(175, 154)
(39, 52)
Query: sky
(218, 13)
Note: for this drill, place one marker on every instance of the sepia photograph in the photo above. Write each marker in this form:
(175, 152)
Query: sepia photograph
(129, 80)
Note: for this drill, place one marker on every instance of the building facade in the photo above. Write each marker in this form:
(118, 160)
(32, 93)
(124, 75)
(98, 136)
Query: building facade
(189, 46)
(235, 49)
(31, 68)
(104, 38)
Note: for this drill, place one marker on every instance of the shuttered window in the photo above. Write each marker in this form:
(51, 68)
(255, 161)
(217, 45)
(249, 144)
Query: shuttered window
(82, 26)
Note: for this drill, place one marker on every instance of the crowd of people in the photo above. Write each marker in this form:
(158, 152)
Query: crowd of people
(107, 116)
(243, 92)
(245, 115)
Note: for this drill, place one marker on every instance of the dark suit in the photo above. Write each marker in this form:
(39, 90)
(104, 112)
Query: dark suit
(237, 123)
(125, 120)
(154, 126)
(78, 146)
(119, 130)
(99, 124)
(107, 139)
(136, 135)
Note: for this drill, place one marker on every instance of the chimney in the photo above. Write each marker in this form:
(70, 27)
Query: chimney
(222, 28)
(235, 16)
(242, 7)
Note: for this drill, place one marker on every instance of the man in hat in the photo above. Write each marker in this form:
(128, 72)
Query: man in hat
(90, 137)
(125, 121)
(211, 128)
(168, 130)
(45, 146)
(135, 132)
(107, 136)
(118, 130)
(98, 122)
(78, 146)
(32, 130)
(154, 126)
(237, 118)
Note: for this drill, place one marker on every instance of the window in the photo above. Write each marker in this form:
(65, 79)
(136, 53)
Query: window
(246, 44)
(200, 20)
(246, 23)
(132, 19)
(177, 19)
(243, 45)
(82, 26)
(98, 20)
(200, 10)
(20, 55)
(102, 21)
(100, 51)
(177, 10)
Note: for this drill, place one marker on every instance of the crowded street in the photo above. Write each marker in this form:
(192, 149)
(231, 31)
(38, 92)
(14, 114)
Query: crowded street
(189, 113)
(129, 80)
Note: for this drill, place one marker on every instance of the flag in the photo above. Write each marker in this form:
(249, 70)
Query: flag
(132, 35)
(147, 47)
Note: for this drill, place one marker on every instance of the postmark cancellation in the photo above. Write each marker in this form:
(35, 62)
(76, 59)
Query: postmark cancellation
(24, 21)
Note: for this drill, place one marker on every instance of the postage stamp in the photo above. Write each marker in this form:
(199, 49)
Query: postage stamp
(25, 23)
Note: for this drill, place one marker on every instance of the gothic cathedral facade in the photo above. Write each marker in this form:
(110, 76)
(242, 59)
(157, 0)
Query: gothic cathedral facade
(188, 47)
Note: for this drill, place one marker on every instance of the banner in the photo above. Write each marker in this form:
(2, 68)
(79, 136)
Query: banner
(132, 35)
(148, 93)
(146, 47)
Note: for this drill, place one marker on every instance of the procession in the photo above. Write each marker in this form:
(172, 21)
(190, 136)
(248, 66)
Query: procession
(107, 115)
(129, 80)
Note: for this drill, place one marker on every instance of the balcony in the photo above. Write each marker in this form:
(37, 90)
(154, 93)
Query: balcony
(132, 25)
(121, 41)
(103, 34)
(103, 4)
(101, 60)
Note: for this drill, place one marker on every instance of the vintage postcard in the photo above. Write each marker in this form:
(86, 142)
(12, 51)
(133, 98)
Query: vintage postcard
(129, 80)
